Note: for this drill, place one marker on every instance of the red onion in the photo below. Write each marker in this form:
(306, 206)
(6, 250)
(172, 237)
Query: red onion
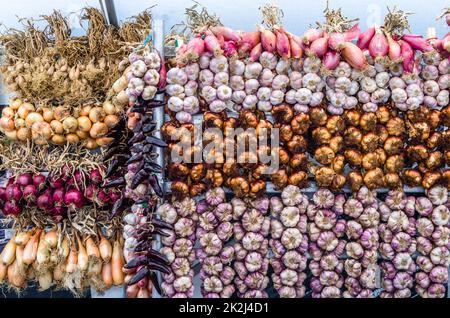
(39, 181)
(58, 197)
(102, 198)
(408, 57)
(379, 46)
(58, 211)
(30, 193)
(2, 194)
(229, 49)
(11, 208)
(114, 195)
(95, 177)
(78, 178)
(13, 193)
(45, 201)
(74, 199)
(56, 183)
(417, 42)
(24, 180)
(365, 38)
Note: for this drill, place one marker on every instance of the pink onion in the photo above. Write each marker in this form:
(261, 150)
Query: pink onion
(311, 35)
(196, 47)
(378, 46)
(24, 180)
(408, 57)
(417, 42)
(331, 60)
(212, 45)
(336, 39)
(229, 48)
(353, 33)
(248, 41)
(353, 55)
(227, 33)
(268, 40)
(365, 38)
(256, 53)
(296, 49)
(39, 182)
(30, 193)
(446, 43)
(74, 199)
(13, 193)
(283, 45)
(395, 51)
(320, 46)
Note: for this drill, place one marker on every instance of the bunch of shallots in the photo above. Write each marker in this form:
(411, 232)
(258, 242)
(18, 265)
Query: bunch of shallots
(289, 242)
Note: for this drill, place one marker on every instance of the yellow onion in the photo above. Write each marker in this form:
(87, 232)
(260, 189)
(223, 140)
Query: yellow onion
(111, 121)
(9, 252)
(59, 140)
(33, 118)
(57, 127)
(99, 130)
(20, 123)
(104, 141)
(120, 84)
(61, 113)
(25, 109)
(82, 134)
(41, 130)
(72, 138)
(96, 114)
(85, 110)
(15, 103)
(90, 144)
(7, 124)
(8, 112)
(84, 123)
(23, 134)
(70, 124)
(109, 108)
(48, 114)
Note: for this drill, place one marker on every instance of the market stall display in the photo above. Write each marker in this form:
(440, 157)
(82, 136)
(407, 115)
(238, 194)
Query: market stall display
(343, 195)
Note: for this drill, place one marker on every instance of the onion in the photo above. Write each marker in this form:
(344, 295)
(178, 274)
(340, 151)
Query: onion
(82, 135)
(8, 112)
(365, 38)
(33, 118)
(96, 114)
(58, 197)
(99, 130)
(57, 127)
(84, 123)
(22, 239)
(30, 193)
(395, 51)
(83, 259)
(95, 176)
(13, 193)
(105, 249)
(9, 253)
(39, 181)
(132, 291)
(103, 142)
(117, 263)
(107, 275)
(23, 134)
(30, 250)
(12, 209)
(61, 113)
(51, 238)
(70, 125)
(109, 108)
(408, 57)
(48, 114)
(85, 110)
(45, 201)
(354, 56)
(379, 45)
(90, 144)
(74, 199)
(41, 130)
(25, 109)
(72, 261)
(72, 138)
(7, 124)
(111, 121)
(24, 179)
